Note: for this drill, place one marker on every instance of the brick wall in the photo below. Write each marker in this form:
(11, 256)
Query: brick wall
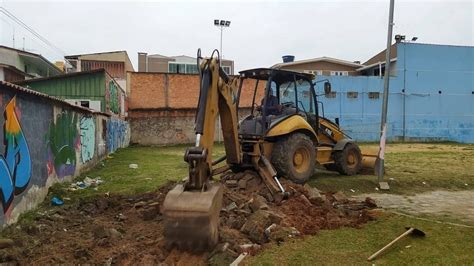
(162, 107)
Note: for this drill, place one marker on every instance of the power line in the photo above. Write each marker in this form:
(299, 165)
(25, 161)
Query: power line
(32, 31)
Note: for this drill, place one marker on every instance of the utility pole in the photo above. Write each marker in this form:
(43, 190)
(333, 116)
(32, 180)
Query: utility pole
(383, 123)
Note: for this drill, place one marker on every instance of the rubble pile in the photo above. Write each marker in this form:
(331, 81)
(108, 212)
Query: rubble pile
(126, 229)
(250, 217)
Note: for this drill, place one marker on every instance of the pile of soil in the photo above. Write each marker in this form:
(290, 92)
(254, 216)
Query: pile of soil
(120, 229)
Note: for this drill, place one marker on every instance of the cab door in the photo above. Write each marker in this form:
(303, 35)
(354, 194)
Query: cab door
(306, 102)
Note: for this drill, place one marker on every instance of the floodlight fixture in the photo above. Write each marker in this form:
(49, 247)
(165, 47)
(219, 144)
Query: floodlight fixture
(221, 24)
(414, 39)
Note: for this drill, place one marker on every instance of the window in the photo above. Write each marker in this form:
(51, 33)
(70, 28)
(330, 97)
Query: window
(182, 68)
(339, 73)
(176, 68)
(191, 69)
(226, 69)
(330, 95)
(315, 72)
(85, 104)
(374, 95)
(352, 94)
(172, 68)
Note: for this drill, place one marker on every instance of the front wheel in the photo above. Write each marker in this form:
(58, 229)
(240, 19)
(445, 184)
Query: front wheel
(349, 160)
(294, 157)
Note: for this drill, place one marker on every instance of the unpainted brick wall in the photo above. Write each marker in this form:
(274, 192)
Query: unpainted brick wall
(176, 91)
(162, 107)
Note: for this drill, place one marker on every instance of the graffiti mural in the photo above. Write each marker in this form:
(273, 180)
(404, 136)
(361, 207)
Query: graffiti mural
(15, 165)
(114, 98)
(116, 134)
(87, 127)
(62, 141)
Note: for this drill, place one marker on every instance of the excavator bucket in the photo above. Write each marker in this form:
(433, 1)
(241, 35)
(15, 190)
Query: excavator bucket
(369, 159)
(191, 218)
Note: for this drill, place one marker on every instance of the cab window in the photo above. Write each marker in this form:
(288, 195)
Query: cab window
(305, 96)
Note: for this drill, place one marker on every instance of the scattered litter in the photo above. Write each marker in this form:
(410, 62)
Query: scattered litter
(65, 230)
(391, 178)
(239, 259)
(87, 182)
(465, 184)
(409, 246)
(55, 201)
(133, 166)
(353, 191)
(107, 194)
(231, 207)
(121, 217)
(424, 183)
(148, 178)
(65, 198)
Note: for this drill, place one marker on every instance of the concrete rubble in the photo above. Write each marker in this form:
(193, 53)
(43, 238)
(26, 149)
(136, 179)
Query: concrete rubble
(128, 229)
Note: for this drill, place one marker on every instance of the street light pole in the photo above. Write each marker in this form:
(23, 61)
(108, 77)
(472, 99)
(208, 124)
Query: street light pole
(221, 24)
(383, 122)
(220, 54)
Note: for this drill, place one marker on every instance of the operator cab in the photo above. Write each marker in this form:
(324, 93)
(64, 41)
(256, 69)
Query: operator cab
(277, 96)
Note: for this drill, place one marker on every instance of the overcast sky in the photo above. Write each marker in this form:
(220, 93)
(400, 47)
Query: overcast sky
(260, 32)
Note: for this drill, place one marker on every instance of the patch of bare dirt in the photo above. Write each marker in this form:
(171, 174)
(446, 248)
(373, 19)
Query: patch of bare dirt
(456, 204)
(128, 230)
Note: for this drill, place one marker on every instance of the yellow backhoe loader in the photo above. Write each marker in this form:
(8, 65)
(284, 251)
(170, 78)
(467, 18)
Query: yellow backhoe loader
(283, 137)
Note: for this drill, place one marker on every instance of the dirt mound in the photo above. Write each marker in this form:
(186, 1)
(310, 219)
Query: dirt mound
(119, 229)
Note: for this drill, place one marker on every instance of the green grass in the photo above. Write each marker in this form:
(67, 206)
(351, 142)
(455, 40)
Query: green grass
(445, 166)
(443, 244)
(441, 166)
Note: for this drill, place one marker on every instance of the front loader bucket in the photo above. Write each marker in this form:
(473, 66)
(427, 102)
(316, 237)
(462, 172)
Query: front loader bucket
(369, 159)
(191, 218)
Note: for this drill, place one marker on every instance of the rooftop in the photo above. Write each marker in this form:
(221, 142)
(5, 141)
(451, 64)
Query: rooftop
(33, 58)
(46, 96)
(318, 59)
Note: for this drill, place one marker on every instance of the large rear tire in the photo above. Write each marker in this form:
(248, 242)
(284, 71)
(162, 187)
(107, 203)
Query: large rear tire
(349, 160)
(294, 157)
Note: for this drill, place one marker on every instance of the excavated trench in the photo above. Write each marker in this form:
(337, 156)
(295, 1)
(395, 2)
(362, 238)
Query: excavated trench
(119, 229)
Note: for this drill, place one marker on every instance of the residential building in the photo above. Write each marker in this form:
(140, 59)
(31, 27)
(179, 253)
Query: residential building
(95, 89)
(326, 66)
(175, 64)
(375, 66)
(18, 65)
(116, 63)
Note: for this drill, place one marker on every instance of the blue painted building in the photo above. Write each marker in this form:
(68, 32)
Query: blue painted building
(431, 95)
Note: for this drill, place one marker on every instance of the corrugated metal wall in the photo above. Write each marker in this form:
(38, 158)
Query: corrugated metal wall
(85, 86)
